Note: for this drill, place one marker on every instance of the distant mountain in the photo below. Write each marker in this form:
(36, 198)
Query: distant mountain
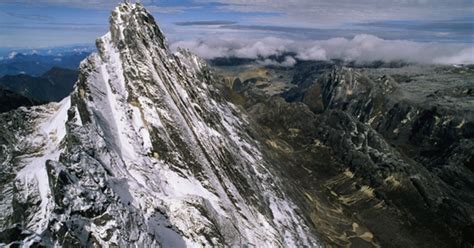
(7, 52)
(52, 86)
(10, 100)
(36, 65)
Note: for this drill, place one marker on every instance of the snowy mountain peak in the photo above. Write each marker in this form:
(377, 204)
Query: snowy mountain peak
(131, 25)
(145, 152)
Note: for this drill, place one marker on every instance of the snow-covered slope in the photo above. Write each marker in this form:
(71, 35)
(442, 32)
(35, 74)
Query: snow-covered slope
(144, 153)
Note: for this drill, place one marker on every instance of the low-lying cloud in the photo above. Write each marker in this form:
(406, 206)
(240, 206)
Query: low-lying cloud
(361, 48)
(288, 61)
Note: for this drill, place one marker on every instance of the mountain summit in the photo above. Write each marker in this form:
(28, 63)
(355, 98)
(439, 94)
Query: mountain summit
(143, 153)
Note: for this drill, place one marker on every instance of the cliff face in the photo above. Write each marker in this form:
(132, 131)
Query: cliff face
(144, 152)
(389, 154)
(374, 155)
(429, 121)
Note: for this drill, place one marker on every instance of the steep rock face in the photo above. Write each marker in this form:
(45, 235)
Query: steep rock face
(429, 123)
(373, 152)
(354, 186)
(437, 127)
(145, 153)
(29, 138)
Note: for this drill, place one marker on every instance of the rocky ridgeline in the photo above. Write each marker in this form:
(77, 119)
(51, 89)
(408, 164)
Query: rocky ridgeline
(433, 134)
(145, 152)
(391, 157)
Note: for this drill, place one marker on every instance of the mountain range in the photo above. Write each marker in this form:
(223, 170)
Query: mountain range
(159, 149)
(37, 64)
(52, 86)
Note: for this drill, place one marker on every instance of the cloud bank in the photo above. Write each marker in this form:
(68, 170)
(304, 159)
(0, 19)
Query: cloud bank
(361, 48)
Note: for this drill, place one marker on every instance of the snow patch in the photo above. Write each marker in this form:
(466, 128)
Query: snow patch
(50, 134)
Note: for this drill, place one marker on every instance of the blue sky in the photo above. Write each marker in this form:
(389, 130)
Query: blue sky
(44, 23)
(33, 24)
(434, 31)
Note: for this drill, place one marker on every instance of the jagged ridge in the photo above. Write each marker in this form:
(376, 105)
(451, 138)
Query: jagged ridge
(149, 155)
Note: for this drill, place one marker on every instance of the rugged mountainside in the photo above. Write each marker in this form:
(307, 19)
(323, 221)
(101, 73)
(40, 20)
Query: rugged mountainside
(145, 152)
(379, 156)
(52, 86)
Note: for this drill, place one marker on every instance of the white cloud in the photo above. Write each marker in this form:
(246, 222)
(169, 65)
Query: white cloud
(235, 47)
(288, 62)
(12, 55)
(315, 52)
(370, 48)
(202, 49)
(265, 47)
(361, 48)
(465, 56)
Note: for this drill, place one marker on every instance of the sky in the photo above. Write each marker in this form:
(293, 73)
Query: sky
(323, 28)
